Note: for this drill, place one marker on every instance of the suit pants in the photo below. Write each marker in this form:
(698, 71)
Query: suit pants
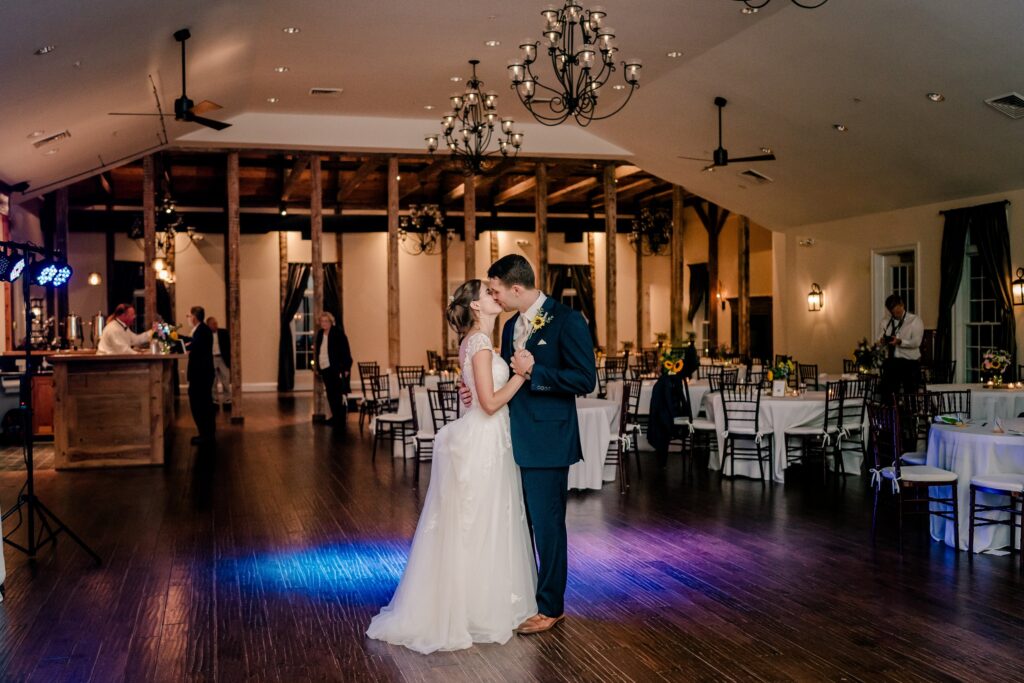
(222, 374)
(545, 491)
(200, 400)
(335, 397)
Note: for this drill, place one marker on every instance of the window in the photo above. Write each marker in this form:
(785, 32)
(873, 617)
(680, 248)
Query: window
(982, 330)
(899, 277)
(303, 327)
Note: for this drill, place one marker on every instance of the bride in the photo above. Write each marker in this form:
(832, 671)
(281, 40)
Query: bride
(471, 575)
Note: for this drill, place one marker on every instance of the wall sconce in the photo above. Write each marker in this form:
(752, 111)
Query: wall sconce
(1018, 288)
(815, 298)
(718, 295)
(95, 279)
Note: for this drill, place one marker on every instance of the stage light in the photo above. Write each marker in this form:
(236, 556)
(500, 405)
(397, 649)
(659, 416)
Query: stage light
(15, 272)
(50, 273)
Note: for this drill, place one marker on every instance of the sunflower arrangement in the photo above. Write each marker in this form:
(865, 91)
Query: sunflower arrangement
(868, 356)
(671, 360)
(994, 363)
(783, 369)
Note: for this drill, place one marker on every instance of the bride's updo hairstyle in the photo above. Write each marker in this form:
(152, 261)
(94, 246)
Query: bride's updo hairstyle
(460, 316)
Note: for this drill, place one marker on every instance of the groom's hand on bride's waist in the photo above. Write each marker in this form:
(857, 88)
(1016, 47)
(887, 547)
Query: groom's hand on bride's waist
(465, 394)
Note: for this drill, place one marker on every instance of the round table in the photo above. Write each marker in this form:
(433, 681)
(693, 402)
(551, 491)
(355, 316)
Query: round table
(988, 404)
(598, 419)
(972, 451)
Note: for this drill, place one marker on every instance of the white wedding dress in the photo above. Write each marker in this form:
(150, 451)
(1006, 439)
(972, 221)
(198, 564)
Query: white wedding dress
(471, 575)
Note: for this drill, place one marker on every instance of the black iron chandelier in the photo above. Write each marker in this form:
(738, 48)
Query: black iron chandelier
(652, 232)
(582, 51)
(752, 6)
(469, 126)
(422, 231)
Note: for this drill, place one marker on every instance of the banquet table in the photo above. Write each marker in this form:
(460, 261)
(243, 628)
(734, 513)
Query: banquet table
(988, 404)
(973, 451)
(777, 415)
(698, 388)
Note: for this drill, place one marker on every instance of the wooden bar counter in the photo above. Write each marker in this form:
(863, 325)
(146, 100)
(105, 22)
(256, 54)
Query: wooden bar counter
(111, 410)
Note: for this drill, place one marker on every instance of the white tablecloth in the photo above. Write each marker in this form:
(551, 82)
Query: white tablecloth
(599, 419)
(698, 388)
(777, 415)
(972, 451)
(988, 404)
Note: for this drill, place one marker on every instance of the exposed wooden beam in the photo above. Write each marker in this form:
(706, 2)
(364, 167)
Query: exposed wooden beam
(367, 168)
(234, 288)
(563, 192)
(520, 188)
(299, 167)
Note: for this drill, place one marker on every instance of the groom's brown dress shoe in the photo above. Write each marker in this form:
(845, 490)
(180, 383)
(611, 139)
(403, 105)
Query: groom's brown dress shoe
(538, 624)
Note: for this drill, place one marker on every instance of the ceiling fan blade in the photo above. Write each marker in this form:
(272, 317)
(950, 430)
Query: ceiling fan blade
(205, 107)
(694, 158)
(759, 157)
(209, 123)
(128, 113)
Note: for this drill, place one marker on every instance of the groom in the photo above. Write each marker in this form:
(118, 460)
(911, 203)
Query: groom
(550, 345)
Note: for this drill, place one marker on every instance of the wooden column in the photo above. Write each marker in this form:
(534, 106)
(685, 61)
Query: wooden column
(282, 262)
(170, 259)
(60, 243)
(444, 295)
(744, 295)
(676, 276)
(316, 234)
(339, 251)
(611, 217)
(541, 206)
(108, 283)
(234, 289)
(496, 335)
(394, 310)
(639, 295)
(592, 262)
(469, 218)
(148, 237)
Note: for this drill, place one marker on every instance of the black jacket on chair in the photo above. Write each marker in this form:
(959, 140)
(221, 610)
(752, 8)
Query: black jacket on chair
(200, 356)
(224, 341)
(338, 353)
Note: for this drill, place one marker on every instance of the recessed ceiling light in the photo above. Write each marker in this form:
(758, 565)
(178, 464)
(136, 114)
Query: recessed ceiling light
(841, 127)
(273, 100)
(618, 86)
(766, 150)
(936, 96)
(45, 50)
(36, 134)
(77, 63)
(280, 69)
(748, 10)
(455, 79)
(674, 54)
(428, 107)
(493, 43)
(51, 151)
(291, 30)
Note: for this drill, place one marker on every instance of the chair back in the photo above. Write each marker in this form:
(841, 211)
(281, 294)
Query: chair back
(631, 392)
(686, 409)
(434, 361)
(380, 386)
(938, 372)
(855, 396)
(834, 406)
(446, 385)
(411, 376)
(643, 373)
(870, 387)
(615, 367)
(720, 377)
(953, 402)
(624, 413)
(741, 404)
(849, 366)
(366, 371)
(808, 374)
(756, 376)
(443, 406)
(648, 360)
(412, 409)
(884, 424)
(917, 411)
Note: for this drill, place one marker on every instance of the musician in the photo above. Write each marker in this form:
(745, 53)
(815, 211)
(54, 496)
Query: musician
(902, 333)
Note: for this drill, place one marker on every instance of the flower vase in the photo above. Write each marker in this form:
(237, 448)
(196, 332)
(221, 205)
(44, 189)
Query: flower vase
(778, 387)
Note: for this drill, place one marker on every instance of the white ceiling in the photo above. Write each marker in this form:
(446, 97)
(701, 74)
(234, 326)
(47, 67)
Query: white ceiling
(789, 74)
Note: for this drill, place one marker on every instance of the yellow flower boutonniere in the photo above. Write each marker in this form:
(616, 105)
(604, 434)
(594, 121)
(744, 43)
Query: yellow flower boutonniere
(538, 322)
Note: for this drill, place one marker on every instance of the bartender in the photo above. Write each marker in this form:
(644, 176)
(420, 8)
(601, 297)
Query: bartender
(117, 337)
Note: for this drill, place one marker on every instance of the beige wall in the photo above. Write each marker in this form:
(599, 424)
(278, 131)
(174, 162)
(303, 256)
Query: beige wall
(840, 261)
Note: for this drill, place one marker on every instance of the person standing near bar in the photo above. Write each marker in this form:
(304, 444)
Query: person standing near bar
(333, 364)
(221, 363)
(200, 377)
(117, 337)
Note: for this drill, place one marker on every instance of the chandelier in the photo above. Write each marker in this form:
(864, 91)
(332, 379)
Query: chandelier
(469, 126)
(423, 229)
(652, 232)
(168, 224)
(582, 51)
(752, 6)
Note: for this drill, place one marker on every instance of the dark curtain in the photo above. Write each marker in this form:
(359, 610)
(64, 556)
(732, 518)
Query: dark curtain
(298, 275)
(990, 233)
(562, 277)
(699, 289)
(951, 267)
(332, 300)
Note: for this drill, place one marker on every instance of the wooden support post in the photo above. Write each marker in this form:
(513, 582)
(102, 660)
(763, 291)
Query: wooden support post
(394, 309)
(444, 295)
(60, 243)
(639, 295)
(339, 252)
(541, 206)
(108, 278)
(469, 221)
(676, 294)
(148, 238)
(496, 335)
(282, 262)
(234, 289)
(744, 295)
(611, 217)
(316, 234)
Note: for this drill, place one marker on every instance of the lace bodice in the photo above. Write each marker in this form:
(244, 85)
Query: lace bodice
(471, 345)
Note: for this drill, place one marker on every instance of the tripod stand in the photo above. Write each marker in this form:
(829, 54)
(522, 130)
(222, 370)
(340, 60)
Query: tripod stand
(49, 524)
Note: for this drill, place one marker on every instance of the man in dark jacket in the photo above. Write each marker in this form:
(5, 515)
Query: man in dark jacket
(201, 376)
(221, 362)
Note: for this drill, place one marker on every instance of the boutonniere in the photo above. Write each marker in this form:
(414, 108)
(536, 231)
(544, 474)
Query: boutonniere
(538, 322)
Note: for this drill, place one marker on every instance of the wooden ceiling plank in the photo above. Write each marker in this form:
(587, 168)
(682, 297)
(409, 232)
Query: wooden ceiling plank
(299, 167)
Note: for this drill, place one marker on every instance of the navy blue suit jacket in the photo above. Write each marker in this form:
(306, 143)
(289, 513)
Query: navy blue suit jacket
(545, 429)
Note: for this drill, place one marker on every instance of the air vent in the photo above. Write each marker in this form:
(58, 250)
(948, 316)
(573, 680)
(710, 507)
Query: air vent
(325, 92)
(63, 135)
(1011, 104)
(759, 178)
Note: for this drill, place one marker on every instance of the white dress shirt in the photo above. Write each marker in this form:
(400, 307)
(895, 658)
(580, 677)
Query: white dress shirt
(910, 332)
(118, 338)
(324, 360)
(216, 343)
(523, 327)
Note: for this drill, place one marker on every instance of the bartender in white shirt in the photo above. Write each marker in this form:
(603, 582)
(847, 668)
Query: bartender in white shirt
(902, 334)
(117, 337)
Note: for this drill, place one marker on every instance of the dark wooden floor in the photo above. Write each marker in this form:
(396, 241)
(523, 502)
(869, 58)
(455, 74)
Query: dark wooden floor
(265, 560)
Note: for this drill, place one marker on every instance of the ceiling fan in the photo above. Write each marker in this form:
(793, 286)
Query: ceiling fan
(184, 108)
(721, 155)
